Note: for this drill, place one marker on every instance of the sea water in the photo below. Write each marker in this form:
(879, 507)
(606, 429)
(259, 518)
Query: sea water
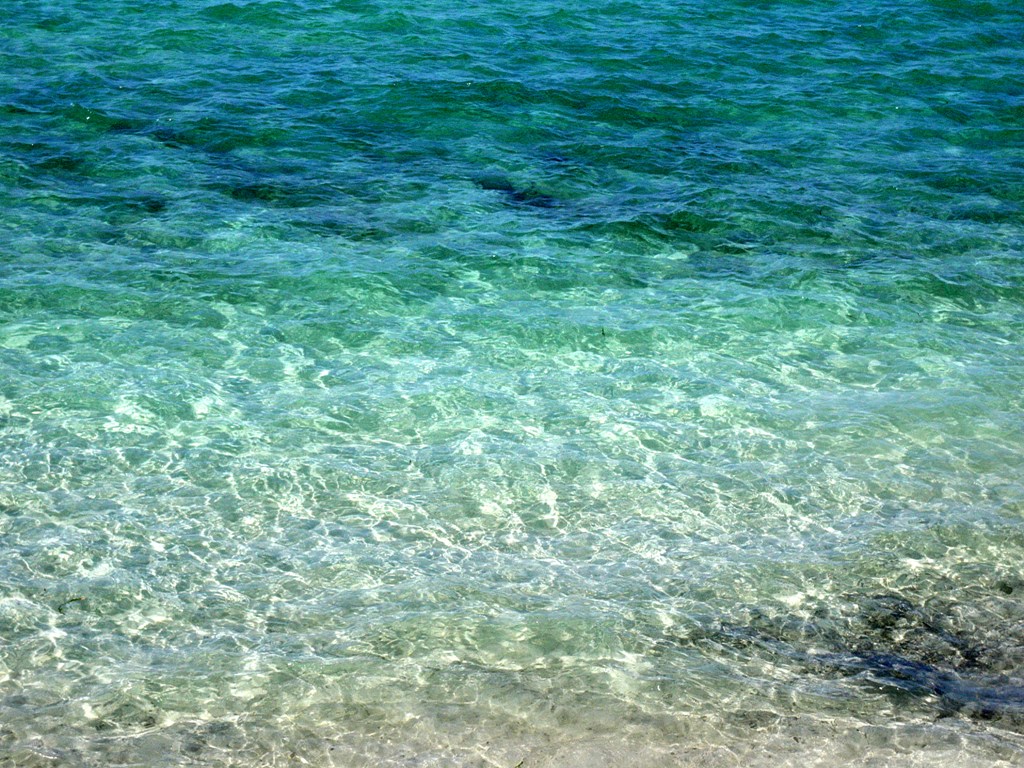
(511, 383)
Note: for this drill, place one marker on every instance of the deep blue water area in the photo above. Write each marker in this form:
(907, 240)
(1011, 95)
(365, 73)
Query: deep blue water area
(625, 383)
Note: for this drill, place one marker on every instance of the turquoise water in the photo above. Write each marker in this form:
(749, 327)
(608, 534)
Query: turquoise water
(405, 384)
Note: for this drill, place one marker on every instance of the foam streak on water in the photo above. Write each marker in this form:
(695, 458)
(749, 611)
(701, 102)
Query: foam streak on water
(390, 383)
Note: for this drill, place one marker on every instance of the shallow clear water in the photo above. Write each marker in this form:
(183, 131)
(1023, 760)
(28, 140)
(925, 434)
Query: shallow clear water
(391, 383)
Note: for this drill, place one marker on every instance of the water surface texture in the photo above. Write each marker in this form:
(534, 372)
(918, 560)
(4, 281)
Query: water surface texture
(398, 383)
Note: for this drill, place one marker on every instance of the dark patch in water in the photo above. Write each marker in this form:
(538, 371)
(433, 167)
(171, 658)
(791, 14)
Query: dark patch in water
(50, 343)
(170, 138)
(659, 229)
(258, 14)
(261, 192)
(14, 109)
(100, 120)
(521, 195)
(898, 648)
(146, 204)
(120, 210)
(1006, 586)
(213, 136)
(533, 198)
(63, 163)
(276, 193)
(54, 22)
(339, 227)
(984, 697)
